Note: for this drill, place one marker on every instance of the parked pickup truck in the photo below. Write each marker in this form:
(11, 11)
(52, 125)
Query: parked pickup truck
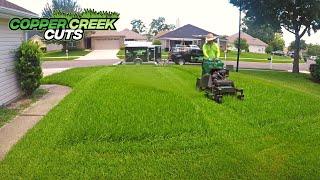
(188, 54)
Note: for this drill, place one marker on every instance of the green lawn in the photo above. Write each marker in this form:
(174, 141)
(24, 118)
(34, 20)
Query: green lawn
(61, 55)
(6, 115)
(256, 57)
(146, 122)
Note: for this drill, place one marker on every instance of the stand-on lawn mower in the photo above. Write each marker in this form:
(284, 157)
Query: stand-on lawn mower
(215, 83)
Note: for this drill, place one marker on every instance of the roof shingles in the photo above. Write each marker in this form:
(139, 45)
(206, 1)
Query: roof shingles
(250, 40)
(132, 35)
(126, 33)
(186, 32)
(9, 5)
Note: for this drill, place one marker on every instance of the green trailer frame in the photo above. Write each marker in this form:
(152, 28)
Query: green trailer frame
(143, 53)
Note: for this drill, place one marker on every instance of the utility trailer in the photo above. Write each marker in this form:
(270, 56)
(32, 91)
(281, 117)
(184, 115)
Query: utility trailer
(141, 52)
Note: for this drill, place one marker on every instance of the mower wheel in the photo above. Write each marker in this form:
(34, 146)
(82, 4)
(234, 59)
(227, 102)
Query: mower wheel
(181, 62)
(240, 97)
(218, 99)
(138, 61)
(198, 88)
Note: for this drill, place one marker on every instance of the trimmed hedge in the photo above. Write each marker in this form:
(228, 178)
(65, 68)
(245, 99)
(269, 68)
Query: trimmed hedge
(28, 66)
(315, 70)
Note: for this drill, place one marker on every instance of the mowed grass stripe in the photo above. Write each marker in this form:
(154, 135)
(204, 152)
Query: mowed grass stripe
(149, 122)
(284, 116)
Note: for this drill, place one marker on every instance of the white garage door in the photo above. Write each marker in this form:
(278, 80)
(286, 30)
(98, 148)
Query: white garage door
(9, 41)
(106, 43)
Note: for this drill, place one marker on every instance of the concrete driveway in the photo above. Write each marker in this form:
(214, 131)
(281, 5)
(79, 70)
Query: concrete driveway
(100, 55)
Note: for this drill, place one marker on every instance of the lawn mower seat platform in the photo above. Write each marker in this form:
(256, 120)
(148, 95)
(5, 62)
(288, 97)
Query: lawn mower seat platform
(215, 83)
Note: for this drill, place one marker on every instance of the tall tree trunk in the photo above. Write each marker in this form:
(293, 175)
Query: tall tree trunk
(295, 68)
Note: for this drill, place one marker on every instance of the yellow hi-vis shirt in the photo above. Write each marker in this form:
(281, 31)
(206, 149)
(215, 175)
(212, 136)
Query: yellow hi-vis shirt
(212, 51)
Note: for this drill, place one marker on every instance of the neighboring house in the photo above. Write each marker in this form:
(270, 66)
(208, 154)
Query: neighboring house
(187, 34)
(37, 37)
(255, 45)
(9, 42)
(107, 39)
(132, 36)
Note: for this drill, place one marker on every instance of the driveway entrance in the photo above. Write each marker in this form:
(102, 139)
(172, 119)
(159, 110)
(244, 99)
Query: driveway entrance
(110, 54)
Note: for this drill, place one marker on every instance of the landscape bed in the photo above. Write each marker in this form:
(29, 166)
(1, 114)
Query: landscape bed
(147, 122)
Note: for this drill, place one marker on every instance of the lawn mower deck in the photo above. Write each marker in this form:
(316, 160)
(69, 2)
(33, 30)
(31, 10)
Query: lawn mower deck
(216, 84)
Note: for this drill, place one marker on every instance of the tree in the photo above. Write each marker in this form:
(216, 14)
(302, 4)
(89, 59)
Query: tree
(158, 25)
(243, 44)
(138, 26)
(297, 16)
(62, 5)
(156, 42)
(314, 50)
(269, 49)
(303, 45)
(277, 44)
(264, 32)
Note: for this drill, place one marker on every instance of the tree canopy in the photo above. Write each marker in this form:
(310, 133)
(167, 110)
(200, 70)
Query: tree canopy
(264, 32)
(299, 17)
(243, 44)
(158, 25)
(303, 45)
(138, 26)
(278, 43)
(313, 50)
(63, 5)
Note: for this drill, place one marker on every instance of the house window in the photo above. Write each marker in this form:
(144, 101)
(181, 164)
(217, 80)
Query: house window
(72, 44)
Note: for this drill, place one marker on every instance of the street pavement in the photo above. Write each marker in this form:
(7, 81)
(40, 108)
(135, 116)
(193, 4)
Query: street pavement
(274, 66)
(51, 67)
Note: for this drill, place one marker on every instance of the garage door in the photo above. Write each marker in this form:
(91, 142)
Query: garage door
(106, 43)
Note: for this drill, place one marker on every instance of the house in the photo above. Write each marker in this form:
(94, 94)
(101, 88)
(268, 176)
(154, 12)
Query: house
(9, 42)
(132, 36)
(107, 39)
(187, 34)
(37, 37)
(255, 45)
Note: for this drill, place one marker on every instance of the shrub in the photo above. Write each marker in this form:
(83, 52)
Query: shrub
(269, 49)
(122, 47)
(243, 44)
(156, 42)
(28, 66)
(315, 70)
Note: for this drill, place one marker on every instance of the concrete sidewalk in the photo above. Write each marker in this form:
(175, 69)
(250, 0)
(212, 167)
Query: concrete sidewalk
(48, 72)
(100, 55)
(13, 131)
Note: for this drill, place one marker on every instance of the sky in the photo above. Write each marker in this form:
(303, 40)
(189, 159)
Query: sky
(217, 16)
